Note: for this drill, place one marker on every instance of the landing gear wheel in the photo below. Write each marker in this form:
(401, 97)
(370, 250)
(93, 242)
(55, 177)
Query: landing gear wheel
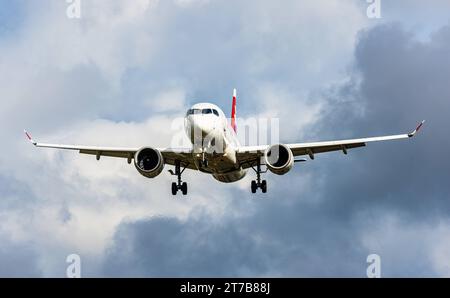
(179, 185)
(184, 188)
(258, 183)
(174, 189)
(264, 186)
(254, 186)
(205, 163)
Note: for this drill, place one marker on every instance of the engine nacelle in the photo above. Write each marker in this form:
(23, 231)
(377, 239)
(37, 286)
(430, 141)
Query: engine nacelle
(279, 159)
(149, 162)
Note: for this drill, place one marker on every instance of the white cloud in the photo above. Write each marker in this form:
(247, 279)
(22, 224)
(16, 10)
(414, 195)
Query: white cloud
(98, 196)
(65, 76)
(187, 3)
(168, 100)
(295, 112)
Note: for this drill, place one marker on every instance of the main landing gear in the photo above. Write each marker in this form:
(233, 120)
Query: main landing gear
(258, 183)
(179, 185)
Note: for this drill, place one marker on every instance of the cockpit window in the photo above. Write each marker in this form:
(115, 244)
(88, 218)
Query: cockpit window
(193, 112)
(200, 111)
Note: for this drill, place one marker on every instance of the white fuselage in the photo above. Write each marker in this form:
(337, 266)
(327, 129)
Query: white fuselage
(215, 141)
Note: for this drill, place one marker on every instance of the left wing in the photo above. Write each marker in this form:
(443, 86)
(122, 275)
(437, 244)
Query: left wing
(171, 156)
(248, 155)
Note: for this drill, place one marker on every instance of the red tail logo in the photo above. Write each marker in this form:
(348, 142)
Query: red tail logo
(233, 112)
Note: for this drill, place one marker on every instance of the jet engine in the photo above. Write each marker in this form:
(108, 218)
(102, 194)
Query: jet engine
(279, 159)
(149, 162)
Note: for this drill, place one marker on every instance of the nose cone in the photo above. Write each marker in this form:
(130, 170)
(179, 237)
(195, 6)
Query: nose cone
(200, 127)
(203, 126)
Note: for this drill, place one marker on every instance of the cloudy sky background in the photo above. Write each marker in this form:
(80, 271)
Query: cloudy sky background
(120, 74)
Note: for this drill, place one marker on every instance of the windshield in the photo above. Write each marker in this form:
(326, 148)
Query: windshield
(193, 112)
(200, 111)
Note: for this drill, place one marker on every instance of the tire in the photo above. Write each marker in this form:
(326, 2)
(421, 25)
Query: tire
(184, 188)
(174, 189)
(254, 186)
(264, 186)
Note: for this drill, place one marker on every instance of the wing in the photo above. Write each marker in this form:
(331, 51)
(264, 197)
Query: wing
(248, 155)
(171, 156)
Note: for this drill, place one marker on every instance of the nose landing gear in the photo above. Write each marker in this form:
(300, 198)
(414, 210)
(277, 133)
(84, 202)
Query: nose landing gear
(179, 185)
(258, 183)
(204, 161)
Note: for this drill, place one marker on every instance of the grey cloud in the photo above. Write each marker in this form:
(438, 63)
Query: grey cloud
(168, 247)
(255, 246)
(320, 220)
(324, 231)
(402, 83)
(18, 260)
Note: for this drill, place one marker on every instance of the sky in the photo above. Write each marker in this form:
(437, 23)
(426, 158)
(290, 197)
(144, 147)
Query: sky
(121, 73)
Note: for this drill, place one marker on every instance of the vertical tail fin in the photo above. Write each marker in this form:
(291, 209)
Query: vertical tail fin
(233, 112)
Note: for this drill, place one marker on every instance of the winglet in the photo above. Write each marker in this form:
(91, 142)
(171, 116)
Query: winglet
(29, 137)
(412, 134)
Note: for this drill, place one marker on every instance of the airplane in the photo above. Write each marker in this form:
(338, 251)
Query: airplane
(216, 150)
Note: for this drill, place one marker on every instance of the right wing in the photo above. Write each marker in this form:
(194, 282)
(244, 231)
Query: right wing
(249, 155)
(171, 156)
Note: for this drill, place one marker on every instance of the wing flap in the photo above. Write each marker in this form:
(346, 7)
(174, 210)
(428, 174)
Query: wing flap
(298, 151)
(248, 155)
(171, 156)
(120, 154)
